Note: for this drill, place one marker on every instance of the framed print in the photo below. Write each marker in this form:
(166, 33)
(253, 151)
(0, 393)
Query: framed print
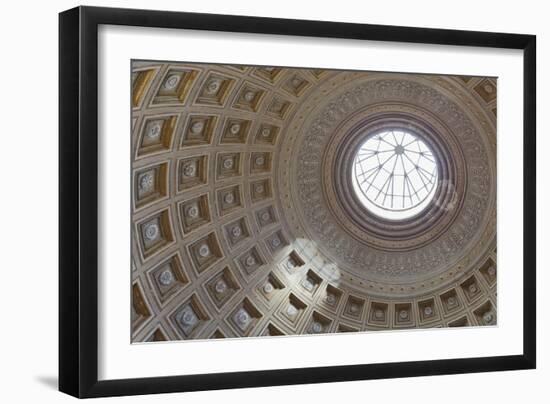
(250, 201)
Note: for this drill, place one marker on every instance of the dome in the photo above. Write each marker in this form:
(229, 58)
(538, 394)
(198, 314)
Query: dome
(280, 201)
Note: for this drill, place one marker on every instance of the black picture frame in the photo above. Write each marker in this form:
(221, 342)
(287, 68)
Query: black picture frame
(78, 201)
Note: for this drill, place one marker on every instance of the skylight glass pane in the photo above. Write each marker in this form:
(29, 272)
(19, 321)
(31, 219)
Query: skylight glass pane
(395, 174)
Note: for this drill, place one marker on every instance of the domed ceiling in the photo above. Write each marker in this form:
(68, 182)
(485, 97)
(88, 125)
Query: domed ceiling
(279, 201)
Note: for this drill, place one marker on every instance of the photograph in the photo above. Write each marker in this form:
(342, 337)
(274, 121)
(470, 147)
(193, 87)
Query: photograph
(271, 201)
(275, 202)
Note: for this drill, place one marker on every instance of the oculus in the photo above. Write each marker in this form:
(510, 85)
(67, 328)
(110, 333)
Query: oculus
(395, 174)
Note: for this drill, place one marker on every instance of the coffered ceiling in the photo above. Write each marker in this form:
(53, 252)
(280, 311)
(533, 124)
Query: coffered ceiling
(244, 218)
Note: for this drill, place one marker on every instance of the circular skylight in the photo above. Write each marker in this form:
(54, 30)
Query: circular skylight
(395, 174)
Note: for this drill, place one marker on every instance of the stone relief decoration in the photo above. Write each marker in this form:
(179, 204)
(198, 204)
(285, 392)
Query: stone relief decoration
(246, 222)
(356, 255)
